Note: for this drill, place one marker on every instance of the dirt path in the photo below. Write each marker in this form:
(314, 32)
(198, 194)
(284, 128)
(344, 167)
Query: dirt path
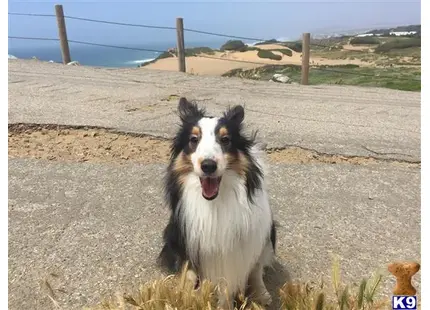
(72, 144)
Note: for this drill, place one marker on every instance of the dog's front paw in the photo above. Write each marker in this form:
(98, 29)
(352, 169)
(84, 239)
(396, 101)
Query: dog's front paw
(225, 305)
(192, 278)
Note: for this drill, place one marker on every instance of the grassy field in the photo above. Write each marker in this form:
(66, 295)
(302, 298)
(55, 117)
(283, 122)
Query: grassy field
(390, 77)
(177, 293)
(390, 62)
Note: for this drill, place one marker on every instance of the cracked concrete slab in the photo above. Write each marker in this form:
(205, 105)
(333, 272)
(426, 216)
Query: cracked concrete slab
(353, 121)
(91, 144)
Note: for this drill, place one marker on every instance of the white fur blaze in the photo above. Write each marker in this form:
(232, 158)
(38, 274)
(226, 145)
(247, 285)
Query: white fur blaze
(227, 235)
(208, 147)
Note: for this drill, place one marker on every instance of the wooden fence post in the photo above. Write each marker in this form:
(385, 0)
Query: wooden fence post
(64, 43)
(181, 44)
(305, 58)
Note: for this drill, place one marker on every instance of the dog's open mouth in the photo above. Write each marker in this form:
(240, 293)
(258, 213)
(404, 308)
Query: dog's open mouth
(210, 187)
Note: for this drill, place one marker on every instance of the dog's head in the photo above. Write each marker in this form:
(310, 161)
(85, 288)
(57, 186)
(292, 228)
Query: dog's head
(209, 146)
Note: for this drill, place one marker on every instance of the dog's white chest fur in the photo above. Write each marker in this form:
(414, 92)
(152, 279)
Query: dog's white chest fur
(225, 236)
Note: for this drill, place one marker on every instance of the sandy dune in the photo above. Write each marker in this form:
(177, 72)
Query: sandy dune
(350, 47)
(200, 65)
(222, 62)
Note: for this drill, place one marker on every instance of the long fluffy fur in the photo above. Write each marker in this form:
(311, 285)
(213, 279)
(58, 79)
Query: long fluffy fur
(231, 237)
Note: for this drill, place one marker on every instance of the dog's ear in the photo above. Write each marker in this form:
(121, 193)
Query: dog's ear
(235, 114)
(189, 111)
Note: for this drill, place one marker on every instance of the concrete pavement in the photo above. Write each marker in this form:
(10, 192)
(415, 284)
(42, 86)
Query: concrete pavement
(98, 227)
(345, 120)
(93, 229)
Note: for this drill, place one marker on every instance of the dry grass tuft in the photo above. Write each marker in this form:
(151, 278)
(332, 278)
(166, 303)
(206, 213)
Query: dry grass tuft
(176, 292)
(170, 293)
(298, 296)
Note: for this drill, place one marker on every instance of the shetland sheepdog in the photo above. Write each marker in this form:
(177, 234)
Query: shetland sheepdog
(221, 222)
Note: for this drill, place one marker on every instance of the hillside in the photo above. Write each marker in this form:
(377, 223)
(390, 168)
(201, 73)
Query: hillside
(383, 61)
(416, 28)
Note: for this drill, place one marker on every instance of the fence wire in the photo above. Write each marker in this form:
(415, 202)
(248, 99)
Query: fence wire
(89, 43)
(187, 30)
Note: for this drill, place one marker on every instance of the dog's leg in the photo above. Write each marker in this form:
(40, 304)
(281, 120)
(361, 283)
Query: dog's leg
(225, 300)
(192, 277)
(257, 288)
(227, 295)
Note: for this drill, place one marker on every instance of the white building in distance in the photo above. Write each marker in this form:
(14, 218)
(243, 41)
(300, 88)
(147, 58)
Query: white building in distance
(392, 33)
(402, 33)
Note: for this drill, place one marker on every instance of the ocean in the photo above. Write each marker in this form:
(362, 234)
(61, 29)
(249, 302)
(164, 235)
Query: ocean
(97, 55)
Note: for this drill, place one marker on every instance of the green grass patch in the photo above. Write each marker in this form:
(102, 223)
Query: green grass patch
(398, 44)
(345, 66)
(407, 79)
(268, 54)
(401, 78)
(264, 73)
(405, 52)
(364, 41)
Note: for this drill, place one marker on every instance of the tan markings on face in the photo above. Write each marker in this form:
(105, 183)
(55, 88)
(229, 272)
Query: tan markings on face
(195, 131)
(238, 163)
(223, 132)
(182, 166)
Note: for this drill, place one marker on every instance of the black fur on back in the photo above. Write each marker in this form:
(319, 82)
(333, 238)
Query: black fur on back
(273, 236)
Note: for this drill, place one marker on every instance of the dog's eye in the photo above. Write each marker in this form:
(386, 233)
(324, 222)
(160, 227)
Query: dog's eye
(225, 140)
(194, 140)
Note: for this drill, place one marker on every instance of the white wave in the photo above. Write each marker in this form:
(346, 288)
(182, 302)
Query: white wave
(283, 39)
(141, 61)
(11, 57)
(253, 43)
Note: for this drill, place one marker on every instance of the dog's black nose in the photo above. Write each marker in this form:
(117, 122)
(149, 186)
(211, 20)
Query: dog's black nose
(208, 166)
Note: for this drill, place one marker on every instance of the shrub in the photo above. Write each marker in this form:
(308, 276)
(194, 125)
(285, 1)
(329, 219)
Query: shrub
(398, 44)
(268, 54)
(164, 55)
(234, 45)
(364, 40)
(271, 41)
(295, 46)
(284, 51)
(194, 51)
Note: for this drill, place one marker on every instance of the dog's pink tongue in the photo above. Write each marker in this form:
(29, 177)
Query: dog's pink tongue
(210, 187)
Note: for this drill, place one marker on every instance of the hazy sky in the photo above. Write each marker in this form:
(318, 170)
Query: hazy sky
(266, 20)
